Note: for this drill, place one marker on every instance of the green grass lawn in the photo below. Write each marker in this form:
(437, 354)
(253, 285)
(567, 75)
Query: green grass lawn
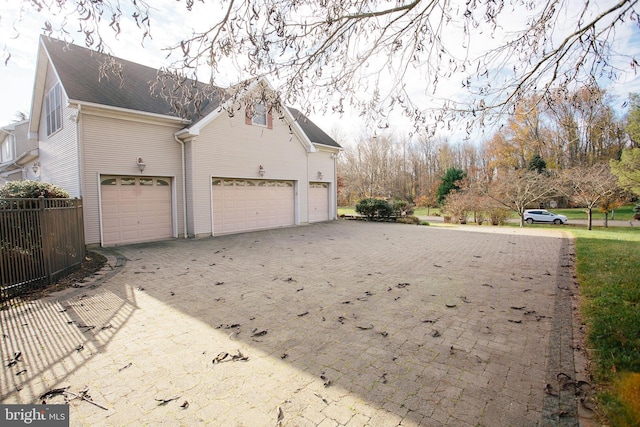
(623, 213)
(608, 269)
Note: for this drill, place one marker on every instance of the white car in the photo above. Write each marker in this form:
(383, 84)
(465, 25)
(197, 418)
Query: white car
(542, 215)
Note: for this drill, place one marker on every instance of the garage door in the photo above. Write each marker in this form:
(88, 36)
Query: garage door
(252, 204)
(135, 209)
(318, 201)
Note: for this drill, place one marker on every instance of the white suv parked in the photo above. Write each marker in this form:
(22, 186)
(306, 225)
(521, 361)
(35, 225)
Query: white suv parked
(542, 215)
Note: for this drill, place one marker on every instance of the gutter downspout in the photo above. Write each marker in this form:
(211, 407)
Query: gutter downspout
(335, 185)
(184, 185)
(308, 183)
(80, 154)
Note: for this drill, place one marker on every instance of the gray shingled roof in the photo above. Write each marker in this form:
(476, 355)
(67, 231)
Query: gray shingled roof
(313, 132)
(79, 71)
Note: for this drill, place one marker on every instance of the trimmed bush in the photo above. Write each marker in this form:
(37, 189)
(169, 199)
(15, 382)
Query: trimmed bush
(374, 208)
(498, 216)
(402, 208)
(31, 189)
(408, 220)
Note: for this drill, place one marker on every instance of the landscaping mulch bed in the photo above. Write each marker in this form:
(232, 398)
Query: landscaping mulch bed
(91, 264)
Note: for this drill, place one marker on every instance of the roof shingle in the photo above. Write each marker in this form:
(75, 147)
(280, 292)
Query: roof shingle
(86, 77)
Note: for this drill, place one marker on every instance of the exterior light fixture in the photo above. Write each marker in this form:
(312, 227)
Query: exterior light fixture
(320, 175)
(261, 170)
(36, 167)
(140, 163)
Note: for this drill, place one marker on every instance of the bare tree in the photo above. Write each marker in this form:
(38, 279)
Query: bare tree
(369, 168)
(457, 205)
(468, 200)
(521, 189)
(590, 186)
(375, 55)
(20, 116)
(586, 129)
(565, 129)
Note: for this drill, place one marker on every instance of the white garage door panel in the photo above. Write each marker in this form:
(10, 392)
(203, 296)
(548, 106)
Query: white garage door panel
(250, 204)
(318, 201)
(135, 209)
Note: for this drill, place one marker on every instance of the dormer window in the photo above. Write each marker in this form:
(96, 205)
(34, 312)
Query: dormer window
(53, 109)
(259, 115)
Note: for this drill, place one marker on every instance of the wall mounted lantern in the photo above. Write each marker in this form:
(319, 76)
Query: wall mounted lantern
(320, 175)
(140, 163)
(261, 170)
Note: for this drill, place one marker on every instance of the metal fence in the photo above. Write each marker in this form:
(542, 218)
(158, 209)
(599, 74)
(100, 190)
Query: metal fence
(41, 240)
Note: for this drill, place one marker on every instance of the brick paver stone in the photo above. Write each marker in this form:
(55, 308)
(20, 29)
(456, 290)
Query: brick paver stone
(334, 324)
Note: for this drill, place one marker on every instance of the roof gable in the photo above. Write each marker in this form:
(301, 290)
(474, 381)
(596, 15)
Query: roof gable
(307, 131)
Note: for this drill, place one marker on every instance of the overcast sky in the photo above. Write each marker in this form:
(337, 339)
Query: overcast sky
(168, 25)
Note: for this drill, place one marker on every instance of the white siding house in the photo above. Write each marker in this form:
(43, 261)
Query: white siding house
(146, 173)
(18, 154)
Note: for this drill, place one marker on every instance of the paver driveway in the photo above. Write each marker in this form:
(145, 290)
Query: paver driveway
(343, 323)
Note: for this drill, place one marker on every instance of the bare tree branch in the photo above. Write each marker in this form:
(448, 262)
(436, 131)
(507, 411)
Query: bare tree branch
(328, 55)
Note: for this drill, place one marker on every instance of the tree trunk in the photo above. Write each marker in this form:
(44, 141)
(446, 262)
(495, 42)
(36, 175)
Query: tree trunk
(589, 219)
(606, 220)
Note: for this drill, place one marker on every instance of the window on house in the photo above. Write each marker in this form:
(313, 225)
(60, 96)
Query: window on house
(259, 114)
(7, 150)
(53, 109)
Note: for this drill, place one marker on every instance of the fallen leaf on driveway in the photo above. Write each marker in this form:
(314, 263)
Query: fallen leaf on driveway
(165, 401)
(365, 328)
(15, 359)
(280, 416)
(128, 365)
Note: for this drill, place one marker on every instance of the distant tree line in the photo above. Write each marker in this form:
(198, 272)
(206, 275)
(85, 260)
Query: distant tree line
(565, 135)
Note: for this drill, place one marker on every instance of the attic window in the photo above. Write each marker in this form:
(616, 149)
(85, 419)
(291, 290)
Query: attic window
(259, 115)
(53, 109)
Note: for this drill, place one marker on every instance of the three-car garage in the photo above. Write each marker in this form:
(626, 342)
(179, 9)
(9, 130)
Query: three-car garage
(140, 209)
